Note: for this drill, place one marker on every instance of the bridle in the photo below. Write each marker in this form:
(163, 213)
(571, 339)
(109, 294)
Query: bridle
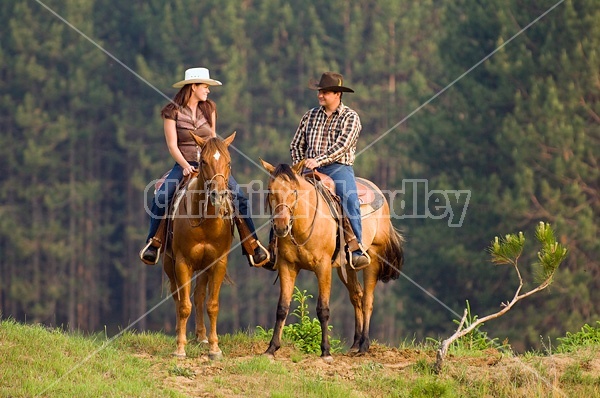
(292, 210)
(217, 199)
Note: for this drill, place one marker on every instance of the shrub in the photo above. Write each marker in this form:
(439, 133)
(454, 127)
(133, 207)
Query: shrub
(588, 335)
(306, 333)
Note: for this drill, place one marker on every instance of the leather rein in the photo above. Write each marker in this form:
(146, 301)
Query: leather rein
(207, 182)
(292, 210)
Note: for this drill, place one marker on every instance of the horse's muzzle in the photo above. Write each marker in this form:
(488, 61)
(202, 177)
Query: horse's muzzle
(220, 200)
(282, 232)
(217, 198)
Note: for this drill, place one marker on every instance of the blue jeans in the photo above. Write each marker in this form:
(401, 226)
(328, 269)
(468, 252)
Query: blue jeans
(165, 193)
(240, 203)
(345, 188)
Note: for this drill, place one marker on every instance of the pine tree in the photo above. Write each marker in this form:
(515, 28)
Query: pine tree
(552, 137)
(58, 229)
(452, 145)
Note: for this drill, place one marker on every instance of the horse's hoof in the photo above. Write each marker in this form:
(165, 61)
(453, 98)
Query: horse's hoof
(328, 359)
(215, 356)
(178, 355)
(200, 340)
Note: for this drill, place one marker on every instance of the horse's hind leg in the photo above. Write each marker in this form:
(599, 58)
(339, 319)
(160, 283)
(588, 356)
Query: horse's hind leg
(355, 293)
(199, 298)
(287, 281)
(370, 282)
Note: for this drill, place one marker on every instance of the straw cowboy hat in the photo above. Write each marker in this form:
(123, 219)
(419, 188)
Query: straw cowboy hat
(197, 75)
(330, 81)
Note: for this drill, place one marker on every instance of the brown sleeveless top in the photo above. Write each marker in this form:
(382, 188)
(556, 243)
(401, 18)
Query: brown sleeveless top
(184, 124)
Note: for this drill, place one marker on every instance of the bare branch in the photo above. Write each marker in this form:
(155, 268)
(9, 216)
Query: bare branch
(544, 233)
(443, 350)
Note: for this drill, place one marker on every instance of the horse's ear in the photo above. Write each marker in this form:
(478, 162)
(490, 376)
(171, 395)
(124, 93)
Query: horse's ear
(298, 167)
(229, 139)
(268, 166)
(199, 140)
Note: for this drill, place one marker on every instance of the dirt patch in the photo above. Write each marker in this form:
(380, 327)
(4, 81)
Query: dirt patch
(206, 378)
(221, 379)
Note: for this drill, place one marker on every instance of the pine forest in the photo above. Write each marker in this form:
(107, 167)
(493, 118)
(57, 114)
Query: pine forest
(480, 118)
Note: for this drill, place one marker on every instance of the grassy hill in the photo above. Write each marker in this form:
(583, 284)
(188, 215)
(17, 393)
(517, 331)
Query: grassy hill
(37, 361)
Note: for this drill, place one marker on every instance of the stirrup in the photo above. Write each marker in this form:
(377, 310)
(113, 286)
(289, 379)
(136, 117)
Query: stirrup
(362, 266)
(270, 265)
(141, 254)
(265, 261)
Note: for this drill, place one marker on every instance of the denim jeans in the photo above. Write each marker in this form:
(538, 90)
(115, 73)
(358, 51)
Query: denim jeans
(240, 203)
(165, 193)
(345, 188)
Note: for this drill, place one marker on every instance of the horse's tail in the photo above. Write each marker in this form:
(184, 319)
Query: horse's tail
(392, 257)
(228, 280)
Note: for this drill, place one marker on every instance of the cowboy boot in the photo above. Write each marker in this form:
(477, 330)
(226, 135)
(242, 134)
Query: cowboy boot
(150, 254)
(359, 260)
(357, 256)
(256, 253)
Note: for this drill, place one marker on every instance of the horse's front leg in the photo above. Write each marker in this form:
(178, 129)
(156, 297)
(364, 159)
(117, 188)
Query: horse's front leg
(180, 290)
(199, 299)
(215, 278)
(324, 279)
(287, 281)
(355, 293)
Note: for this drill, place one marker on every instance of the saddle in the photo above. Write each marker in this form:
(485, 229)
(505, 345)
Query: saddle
(164, 234)
(369, 196)
(165, 229)
(370, 199)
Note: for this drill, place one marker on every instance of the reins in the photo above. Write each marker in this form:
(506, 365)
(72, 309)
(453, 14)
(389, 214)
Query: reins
(208, 183)
(205, 184)
(292, 211)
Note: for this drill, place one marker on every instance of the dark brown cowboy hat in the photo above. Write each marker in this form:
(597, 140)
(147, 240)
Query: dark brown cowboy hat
(330, 81)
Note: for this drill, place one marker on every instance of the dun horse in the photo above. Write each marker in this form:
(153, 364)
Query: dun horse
(202, 236)
(306, 239)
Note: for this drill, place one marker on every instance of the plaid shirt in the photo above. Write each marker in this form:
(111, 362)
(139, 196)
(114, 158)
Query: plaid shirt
(327, 139)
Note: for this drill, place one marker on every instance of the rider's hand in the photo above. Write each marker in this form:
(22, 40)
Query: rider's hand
(188, 170)
(311, 164)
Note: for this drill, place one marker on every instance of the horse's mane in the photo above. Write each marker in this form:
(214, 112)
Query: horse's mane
(216, 144)
(284, 170)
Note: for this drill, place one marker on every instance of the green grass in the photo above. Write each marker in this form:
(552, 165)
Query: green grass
(38, 361)
(258, 365)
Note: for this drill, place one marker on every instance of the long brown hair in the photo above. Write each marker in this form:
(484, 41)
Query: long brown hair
(181, 99)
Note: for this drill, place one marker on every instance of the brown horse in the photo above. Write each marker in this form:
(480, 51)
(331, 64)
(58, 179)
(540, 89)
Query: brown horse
(306, 239)
(202, 236)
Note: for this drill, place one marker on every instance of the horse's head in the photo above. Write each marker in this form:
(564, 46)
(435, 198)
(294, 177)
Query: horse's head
(283, 195)
(214, 168)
